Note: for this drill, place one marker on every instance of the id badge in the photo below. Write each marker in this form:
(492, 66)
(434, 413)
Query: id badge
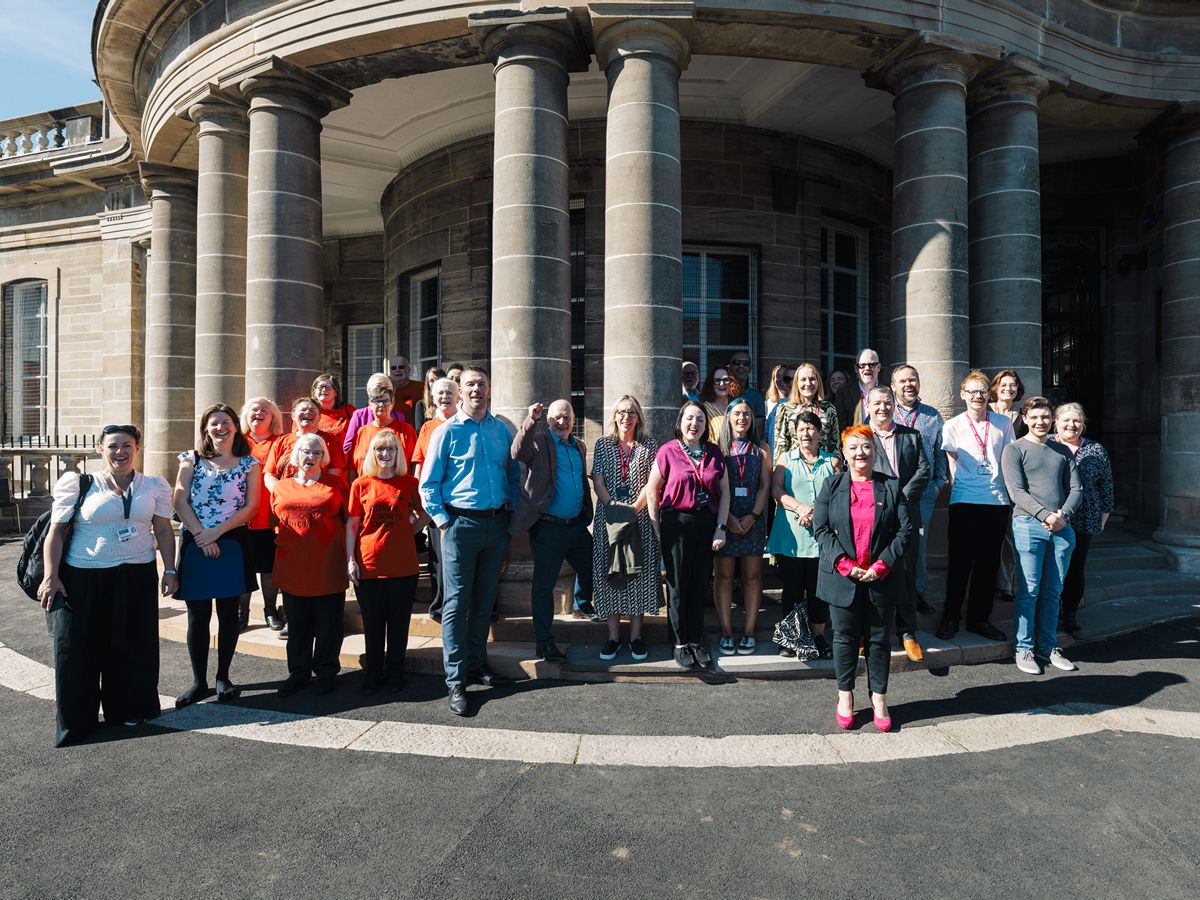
(985, 468)
(741, 492)
(127, 533)
(702, 498)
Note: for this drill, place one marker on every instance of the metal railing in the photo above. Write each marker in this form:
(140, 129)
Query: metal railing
(33, 464)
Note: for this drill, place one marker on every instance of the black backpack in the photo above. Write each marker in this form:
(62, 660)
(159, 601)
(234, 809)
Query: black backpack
(31, 569)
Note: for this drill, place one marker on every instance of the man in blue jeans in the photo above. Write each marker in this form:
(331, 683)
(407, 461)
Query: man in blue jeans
(469, 485)
(555, 510)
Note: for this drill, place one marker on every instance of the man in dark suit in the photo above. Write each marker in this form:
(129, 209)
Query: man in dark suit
(898, 452)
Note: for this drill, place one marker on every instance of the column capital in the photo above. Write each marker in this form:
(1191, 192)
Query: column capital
(1016, 74)
(548, 33)
(213, 109)
(167, 182)
(632, 28)
(1179, 121)
(930, 55)
(287, 84)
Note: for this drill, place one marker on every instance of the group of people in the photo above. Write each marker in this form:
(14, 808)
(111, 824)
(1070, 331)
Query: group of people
(838, 490)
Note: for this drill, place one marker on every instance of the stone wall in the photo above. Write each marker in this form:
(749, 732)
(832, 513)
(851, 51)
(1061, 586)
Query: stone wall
(354, 289)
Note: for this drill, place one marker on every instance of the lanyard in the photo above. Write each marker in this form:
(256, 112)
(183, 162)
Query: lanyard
(126, 495)
(741, 461)
(626, 460)
(910, 422)
(697, 464)
(982, 441)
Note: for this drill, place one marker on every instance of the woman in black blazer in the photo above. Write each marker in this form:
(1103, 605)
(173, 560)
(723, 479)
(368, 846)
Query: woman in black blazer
(862, 524)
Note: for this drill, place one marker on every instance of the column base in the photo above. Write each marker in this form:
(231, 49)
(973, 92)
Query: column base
(1181, 550)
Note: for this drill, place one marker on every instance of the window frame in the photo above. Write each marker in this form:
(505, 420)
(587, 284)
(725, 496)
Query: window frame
(701, 348)
(353, 381)
(418, 361)
(12, 386)
(830, 359)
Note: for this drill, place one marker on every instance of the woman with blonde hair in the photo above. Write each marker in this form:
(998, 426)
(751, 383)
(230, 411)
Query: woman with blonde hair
(384, 513)
(621, 464)
(807, 395)
(262, 424)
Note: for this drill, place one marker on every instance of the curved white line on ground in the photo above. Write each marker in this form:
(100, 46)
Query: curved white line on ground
(979, 735)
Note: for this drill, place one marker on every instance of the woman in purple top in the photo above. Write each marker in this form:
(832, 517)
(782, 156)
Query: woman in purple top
(688, 499)
(361, 417)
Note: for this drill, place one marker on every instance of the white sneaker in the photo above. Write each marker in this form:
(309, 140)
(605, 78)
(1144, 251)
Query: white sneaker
(1061, 662)
(746, 645)
(1027, 663)
(726, 646)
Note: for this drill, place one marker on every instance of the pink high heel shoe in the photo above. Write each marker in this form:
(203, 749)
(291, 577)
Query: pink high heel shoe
(844, 722)
(882, 723)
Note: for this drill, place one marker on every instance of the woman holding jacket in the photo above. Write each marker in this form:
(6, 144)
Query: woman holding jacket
(862, 524)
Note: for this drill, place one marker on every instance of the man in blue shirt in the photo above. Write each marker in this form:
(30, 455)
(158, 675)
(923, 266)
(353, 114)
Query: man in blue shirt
(469, 484)
(555, 509)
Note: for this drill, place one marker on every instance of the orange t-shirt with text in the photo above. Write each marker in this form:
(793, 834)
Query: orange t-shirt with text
(385, 541)
(362, 440)
(279, 462)
(310, 544)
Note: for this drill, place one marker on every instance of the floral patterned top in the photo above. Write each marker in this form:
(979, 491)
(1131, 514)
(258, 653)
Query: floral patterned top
(784, 438)
(217, 494)
(1095, 471)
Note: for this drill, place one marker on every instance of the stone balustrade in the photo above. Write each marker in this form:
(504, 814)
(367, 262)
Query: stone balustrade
(32, 465)
(55, 130)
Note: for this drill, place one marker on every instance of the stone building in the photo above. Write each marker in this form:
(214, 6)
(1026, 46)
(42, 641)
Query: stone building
(581, 195)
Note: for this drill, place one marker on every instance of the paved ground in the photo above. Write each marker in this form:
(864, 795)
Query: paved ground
(178, 812)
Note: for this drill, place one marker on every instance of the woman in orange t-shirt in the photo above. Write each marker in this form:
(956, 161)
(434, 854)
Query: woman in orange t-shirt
(335, 414)
(306, 418)
(381, 405)
(385, 510)
(310, 565)
(262, 423)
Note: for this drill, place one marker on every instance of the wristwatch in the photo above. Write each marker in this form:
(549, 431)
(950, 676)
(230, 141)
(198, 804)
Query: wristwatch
(721, 527)
(169, 572)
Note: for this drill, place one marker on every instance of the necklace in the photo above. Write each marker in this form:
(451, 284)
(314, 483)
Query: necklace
(694, 454)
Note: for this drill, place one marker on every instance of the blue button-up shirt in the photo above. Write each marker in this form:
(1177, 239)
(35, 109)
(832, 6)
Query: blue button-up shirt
(468, 465)
(568, 479)
(929, 422)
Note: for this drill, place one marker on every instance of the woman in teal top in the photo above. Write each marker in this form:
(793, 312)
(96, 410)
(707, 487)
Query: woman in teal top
(798, 476)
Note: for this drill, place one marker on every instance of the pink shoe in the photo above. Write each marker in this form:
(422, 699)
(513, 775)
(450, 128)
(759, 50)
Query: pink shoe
(844, 722)
(883, 723)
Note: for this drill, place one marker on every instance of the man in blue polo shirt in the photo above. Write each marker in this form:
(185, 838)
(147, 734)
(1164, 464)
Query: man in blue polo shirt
(555, 509)
(469, 484)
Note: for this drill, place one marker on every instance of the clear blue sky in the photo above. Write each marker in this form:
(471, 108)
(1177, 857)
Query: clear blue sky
(45, 57)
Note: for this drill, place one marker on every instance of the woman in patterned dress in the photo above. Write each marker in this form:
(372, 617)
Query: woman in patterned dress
(807, 395)
(216, 494)
(746, 529)
(1095, 471)
(621, 463)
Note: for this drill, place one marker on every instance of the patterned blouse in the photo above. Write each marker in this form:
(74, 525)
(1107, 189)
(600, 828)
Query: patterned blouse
(785, 427)
(1095, 471)
(217, 494)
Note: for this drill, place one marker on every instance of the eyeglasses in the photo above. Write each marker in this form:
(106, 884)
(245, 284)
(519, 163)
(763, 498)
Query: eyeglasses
(722, 381)
(132, 430)
(322, 388)
(874, 365)
(740, 363)
(979, 392)
(625, 412)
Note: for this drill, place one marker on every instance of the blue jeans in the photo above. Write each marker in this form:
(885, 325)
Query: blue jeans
(472, 553)
(551, 543)
(1042, 558)
(928, 501)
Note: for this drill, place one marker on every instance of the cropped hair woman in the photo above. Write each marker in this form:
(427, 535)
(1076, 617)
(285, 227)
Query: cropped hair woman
(747, 468)
(334, 420)
(621, 465)
(99, 592)
(861, 522)
(310, 565)
(216, 494)
(262, 424)
(384, 512)
(798, 476)
(381, 405)
(361, 417)
(688, 497)
(807, 395)
(1096, 480)
(306, 418)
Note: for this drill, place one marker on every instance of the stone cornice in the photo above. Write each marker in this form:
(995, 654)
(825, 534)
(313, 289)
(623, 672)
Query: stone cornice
(927, 51)
(1016, 74)
(210, 107)
(161, 180)
(631, 28)
(552, 29)
(273, 75)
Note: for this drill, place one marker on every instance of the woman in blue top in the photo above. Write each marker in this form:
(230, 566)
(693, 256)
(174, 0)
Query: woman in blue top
(216, 494)
(799, 473)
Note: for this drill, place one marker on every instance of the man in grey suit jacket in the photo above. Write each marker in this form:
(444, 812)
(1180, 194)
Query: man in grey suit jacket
(898, 453)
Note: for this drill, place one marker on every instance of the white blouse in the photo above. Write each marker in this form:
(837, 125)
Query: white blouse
(103, 537)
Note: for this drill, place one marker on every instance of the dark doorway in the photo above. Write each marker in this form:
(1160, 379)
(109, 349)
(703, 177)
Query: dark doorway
(1072, 332)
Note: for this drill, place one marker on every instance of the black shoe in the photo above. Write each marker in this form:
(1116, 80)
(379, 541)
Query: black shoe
(283, 632)
(824, 651)
(436, 616)
(923, 606)
(370, 685)
(290, 686)
(227, 690)
(701, 655)
(488, 677)
(684, 658)
(550, 653)
(458, 700)
(194, 694)
(987, 630)
(396, 682)
(326, 686)
(274, 622)
(947, 629)
(787, 652)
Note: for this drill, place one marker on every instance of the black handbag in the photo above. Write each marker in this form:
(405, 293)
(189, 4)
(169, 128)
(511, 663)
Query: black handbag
(31, 569)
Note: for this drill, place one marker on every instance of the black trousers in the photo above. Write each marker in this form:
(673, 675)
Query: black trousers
(862, 619)
(386, 605)
(976, 535)
(435, 568)
(688, 559)
(314, 634)
(1073, 584)
(906, 612)
(800, 586)
(105, 648)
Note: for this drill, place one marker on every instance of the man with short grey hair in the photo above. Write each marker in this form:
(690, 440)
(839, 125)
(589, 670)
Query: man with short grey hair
(407, 390)
(852, 403)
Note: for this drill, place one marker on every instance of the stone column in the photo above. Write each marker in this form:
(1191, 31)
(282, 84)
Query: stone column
(643, 227)
(531, 261)
(170, 317)
(1179, 403)
(928, 74)
(223, 136)
(1006, 219)
(285, 314)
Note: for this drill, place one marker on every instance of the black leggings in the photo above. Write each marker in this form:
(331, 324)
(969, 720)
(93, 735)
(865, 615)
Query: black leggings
(800, 586)
(688, 560)
(866, 620)
(199, 615)
(1072, 589)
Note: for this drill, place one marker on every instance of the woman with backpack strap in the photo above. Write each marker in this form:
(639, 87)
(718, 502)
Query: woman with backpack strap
(100, 591)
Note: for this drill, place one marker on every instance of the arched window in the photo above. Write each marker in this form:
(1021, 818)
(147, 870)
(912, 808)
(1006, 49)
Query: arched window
(24, 366)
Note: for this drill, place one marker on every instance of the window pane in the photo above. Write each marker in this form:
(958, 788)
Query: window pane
(845, 251)
(691, 275)
(845, 293)
(734, 328)
(824, 245)
(429, 298)
(25, 359)
(845, 334)
(728, 276)
(691, 322)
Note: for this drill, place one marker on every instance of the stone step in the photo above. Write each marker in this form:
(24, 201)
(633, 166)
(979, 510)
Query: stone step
(1115, 557)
